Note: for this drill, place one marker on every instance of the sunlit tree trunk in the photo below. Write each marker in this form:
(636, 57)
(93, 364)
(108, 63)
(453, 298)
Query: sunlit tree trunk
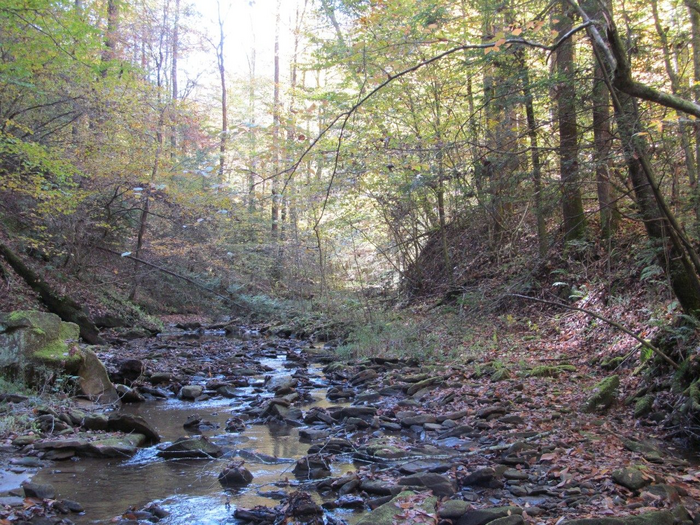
(276, 117)
(173, 74)
(224, 102)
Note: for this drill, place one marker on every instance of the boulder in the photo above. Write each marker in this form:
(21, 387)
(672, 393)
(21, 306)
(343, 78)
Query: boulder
(94, 381)
(281, 383)
(190, 392)
(386, 514)
(129, 423)
(39, 491)
(453, 509)
(129, 395)
(631, 478)
(235, 475)
(438, 484)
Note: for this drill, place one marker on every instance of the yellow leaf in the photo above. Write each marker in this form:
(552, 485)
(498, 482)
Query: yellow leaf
(517, 31)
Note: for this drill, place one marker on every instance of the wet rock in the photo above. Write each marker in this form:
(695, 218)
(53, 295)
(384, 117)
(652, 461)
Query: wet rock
(38, 490)
(631, 478)
(129, 423)
(317, 415)
(191, 447)
(417, 419)
(313, 466)
(235, 424)
(50, 425)
(333, 446)
(86, 445)
(363, 377)
(484, 516)
(301, 508)
(311, 435)
(198, 423)
(438, 484)
(386, 514)
(129, 395)
(348, 501)
(235, 475)
(190, 392)
(73, 506)
(366, 413)
(281, 383)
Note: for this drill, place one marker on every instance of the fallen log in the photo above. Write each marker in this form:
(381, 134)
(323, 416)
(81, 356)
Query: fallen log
(65, 307)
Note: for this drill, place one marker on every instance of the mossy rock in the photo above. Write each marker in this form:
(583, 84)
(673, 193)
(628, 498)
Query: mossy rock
(643, 406)
(663, 517)
(604, 395)
(387, 513)
(550, 371)
(612, 363)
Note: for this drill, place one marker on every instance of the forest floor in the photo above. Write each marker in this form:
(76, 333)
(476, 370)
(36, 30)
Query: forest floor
(498, 422)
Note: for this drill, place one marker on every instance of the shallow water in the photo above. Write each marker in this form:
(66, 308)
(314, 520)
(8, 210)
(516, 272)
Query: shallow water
(189, 489)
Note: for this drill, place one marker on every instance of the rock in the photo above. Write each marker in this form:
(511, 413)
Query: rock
(363, 377)
(381, 488)
(643, 406)
(235, 424)
(604, 394)
(235, 475)
(131, 369)
(128, 423)
(438, 484)
(453, 509)
(366, 413)
(94, 381)
(198, 423)
(38, 490)
(663, 517)
(484, 516)
(509, 520)
(420, 419)
(95, 422)
(281, 382)
(631, 478)
(425, 465)
(160, 378)
(314, 466)
(128, 395)
(190, 392)
(85, 445)
(191, 447)
(485, 477)
(386, 514)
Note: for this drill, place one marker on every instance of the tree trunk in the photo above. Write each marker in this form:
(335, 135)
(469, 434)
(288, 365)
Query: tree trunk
(65, 307)
(173, 75)
(535, 158)
(224, 102)
(110, 51)
(275, 204)
(694, 9)
(572, 204)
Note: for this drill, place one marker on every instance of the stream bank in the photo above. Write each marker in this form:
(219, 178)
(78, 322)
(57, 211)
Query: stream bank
(327, 441)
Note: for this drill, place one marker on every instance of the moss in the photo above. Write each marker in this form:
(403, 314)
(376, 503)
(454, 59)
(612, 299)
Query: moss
(604, 394)
(550, 371)
(500, 375)
(644, 406)
(58, 353)
(612, 363)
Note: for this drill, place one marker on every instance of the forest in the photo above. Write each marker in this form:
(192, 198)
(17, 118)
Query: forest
(370, 261)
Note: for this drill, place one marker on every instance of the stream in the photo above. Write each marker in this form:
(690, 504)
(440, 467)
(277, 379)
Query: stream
(189, 489)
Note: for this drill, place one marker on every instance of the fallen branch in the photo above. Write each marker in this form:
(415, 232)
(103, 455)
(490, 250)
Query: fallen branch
(173, 274)
(643, 342)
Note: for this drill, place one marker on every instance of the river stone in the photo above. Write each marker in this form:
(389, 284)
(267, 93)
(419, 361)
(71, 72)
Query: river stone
(190, 392)
(160, 377)
(386, 514)
(281, 382)
(366, 413)
(631, 478)
(508, 520)
(438, 484)
(128, 395)
(235, 476)
(191, 447)
(663, 517)
(425, 465)
(313, 466)
(132, 423)
(38, 490)
(485, 477)
(484, 516)
(453, 509)
(381, 488)
(420, 419)
(94, 381)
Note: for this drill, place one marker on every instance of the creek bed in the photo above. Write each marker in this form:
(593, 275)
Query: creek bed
(189, 489)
